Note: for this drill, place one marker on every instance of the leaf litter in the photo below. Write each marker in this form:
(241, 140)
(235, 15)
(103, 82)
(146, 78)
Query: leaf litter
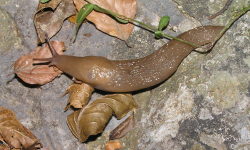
(38, 74)
(50, 21)
(106, 23)
(13, 134)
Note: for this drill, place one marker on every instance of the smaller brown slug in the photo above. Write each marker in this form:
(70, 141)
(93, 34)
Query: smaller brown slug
(134, 74)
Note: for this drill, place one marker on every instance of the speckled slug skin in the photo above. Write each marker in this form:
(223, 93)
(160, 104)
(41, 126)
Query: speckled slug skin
(135, 74)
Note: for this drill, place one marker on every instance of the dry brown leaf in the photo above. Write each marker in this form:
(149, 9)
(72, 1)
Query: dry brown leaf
(122, 129)
(93, 118)
(14, 133)
(3, 144)
(4, 147)
(107, 24)
(38, 74)
(113, 145)
(50, 22)
(72, 19)
(79, 95)
(51, 4)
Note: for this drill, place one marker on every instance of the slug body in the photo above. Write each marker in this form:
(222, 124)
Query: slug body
(135, 74)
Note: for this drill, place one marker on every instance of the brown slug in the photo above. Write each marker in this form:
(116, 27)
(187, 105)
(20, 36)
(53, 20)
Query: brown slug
(134, 74)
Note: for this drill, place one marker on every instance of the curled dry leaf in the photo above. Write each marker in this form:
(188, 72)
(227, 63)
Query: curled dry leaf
(93, 118)
(38, 74)
(122, 129)
(4, 147)
(79, 95)
(113, 145)
(50, 22)
(3, 144)
(107, 24)
(14, 133)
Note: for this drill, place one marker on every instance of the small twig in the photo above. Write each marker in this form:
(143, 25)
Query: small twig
(142, 25)
(235, 17)
(228, 3)
(153, 29)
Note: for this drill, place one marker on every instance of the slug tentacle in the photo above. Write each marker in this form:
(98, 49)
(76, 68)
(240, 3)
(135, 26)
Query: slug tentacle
(51, 48)
(43, 59)
(50, 60)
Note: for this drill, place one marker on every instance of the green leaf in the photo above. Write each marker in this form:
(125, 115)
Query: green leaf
(158, 34)
(163, 23)
(101, 10)
(110, 13)
(81, 15)
(44, 1)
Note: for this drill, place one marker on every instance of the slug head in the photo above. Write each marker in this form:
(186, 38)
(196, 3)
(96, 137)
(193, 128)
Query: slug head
(50, 60)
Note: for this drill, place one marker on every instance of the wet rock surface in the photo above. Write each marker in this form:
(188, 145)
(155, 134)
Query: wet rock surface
(204, 105)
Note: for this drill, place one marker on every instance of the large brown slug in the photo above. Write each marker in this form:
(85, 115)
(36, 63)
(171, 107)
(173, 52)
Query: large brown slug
(135, 74)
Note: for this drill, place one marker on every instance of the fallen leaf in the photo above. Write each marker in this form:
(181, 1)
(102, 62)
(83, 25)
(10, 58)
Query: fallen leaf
(107, 24)
(51, 4)
(93, 118)
(4, 147)
(72, 19)
(81, 16)
(38, 74)
(3, 144)
(50, 21)
(79, 95)
(113, 145)
(122, 129)
(14, 133)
